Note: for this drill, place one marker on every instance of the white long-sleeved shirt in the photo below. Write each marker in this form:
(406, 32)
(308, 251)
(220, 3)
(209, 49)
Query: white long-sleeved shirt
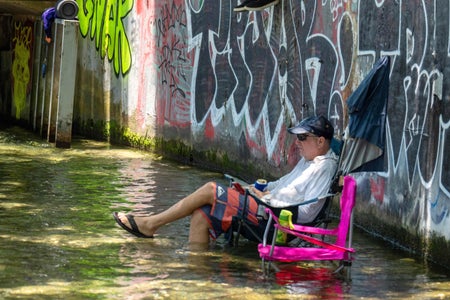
(308, 180)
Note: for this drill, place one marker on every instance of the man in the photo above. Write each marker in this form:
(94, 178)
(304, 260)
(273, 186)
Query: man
(213, 206)
(48, 17)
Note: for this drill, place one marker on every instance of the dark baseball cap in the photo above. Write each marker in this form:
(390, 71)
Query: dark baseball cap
(317, 125)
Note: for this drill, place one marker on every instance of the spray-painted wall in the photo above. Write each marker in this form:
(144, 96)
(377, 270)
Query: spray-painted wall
(16, 57)
(196, 77)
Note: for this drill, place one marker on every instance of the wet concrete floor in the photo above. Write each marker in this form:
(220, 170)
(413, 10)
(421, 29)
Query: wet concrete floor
(58, 239)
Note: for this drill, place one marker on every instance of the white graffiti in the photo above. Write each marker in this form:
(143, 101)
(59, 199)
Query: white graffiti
(255, 73)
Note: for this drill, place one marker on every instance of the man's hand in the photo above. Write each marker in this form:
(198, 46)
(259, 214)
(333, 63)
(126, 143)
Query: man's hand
(48, 39)
(257, 192)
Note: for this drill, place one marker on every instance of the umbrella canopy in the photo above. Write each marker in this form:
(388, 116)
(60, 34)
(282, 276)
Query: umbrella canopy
(364, 139)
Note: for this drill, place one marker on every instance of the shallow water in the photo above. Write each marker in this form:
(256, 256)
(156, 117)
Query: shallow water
(58, 239)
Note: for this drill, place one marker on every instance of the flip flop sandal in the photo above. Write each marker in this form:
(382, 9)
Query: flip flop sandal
(134, 230)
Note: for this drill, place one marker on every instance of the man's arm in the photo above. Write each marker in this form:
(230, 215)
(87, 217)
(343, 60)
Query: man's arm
(48, 17)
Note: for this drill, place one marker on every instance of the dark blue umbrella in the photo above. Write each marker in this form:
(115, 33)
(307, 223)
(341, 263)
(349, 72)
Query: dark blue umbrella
(364, 140)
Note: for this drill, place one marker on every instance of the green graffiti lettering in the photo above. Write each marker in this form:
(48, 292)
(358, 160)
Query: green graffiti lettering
(98, 22)
(105, 20)
(122, 45)
(85, 14)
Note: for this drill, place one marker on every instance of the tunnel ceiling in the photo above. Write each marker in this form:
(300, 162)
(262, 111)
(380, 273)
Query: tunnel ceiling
(27, 8)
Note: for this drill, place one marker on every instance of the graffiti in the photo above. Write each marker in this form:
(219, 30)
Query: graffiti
(21, 66)
(174, 63)
(237, 80)
(104, 19)
(296, 78)
(257, 72)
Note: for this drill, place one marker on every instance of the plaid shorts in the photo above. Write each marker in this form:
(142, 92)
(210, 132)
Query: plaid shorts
(228, 203)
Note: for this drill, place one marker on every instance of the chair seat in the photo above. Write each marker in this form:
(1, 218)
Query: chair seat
(292, 254)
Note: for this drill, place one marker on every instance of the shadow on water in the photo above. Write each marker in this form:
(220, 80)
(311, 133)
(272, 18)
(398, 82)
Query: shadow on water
(58, 239)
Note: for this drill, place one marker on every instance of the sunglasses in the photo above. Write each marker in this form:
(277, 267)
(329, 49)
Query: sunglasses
(302, 137)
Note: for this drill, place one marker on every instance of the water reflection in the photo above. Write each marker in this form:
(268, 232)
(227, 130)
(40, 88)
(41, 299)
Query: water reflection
(311, 280)
(58, 239)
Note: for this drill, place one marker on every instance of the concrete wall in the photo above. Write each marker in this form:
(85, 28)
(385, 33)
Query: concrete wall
(218, 88)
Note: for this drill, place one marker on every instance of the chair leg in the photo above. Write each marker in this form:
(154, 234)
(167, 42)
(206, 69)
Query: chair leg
(349, 274)
(249, 228)
(275, 268)
(344, 266)
(339, 268)
(263, 267)
(267, 265)
(241, 219)
(238, 233)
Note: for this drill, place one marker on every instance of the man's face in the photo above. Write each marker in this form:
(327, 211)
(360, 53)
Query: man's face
(309, 145)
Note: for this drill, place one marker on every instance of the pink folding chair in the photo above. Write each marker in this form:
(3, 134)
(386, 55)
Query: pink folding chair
(335, 247)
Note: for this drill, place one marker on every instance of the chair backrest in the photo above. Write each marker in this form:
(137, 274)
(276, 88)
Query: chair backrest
(336, 145)
(347, 203)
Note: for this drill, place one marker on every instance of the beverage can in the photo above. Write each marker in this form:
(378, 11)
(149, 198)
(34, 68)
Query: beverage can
(261, 184)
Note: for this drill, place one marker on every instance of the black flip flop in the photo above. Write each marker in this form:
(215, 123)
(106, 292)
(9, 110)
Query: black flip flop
(134, 230)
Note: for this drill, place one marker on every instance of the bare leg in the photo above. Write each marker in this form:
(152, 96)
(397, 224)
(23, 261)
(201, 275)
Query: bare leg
(199, 228)
(183, 208)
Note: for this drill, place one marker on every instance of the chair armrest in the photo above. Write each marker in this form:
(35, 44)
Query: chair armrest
(314, 230)
(232, 178)
(314, 240)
